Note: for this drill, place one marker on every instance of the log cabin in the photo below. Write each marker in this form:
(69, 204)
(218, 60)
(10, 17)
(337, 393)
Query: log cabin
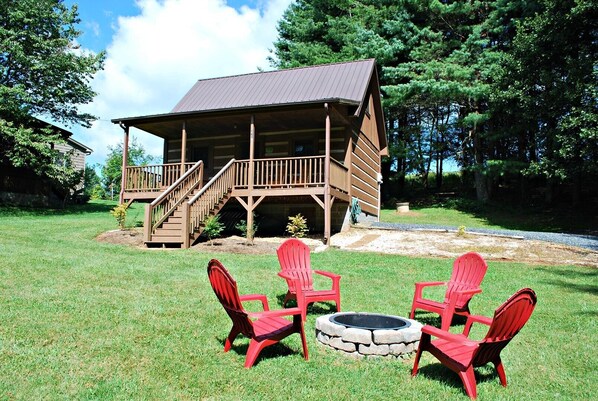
(271, 144)
(25, 187)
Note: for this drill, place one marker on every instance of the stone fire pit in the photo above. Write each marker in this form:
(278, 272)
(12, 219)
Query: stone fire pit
(367, 334)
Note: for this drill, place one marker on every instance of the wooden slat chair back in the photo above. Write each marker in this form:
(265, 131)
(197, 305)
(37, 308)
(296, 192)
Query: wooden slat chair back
(468, 272)
(461, 354)
(295, 260)
(225, 288)
(295, 264)
(263, 328)
(508, 320)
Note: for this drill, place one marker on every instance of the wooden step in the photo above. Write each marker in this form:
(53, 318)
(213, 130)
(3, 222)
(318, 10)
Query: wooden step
(169, 231)
(163, 242)
(168, 225)
(159, 239)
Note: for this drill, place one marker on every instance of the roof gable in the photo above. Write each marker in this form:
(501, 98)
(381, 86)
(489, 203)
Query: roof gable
(346, 82)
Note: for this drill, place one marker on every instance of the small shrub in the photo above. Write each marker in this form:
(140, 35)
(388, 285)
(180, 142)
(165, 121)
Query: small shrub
(120, 213)
(248, 232)
(297, 226)
(461, 231)
(212, 227)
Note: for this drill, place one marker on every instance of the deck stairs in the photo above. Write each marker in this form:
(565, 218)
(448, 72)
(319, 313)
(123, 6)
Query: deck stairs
(169, 233)
(177, 216)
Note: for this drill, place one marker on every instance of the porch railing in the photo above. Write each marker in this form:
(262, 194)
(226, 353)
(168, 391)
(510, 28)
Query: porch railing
(198, 208)
(282, 172)
(339, 176)
(165, 204)
(152, 178)
(291, 173)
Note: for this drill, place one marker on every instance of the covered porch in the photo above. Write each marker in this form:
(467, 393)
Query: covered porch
(211, 139)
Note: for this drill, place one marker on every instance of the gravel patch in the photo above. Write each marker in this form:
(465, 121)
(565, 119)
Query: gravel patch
(416, 242)
(577, 240)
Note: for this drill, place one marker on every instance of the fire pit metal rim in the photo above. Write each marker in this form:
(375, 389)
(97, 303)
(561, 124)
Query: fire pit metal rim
(383, 322)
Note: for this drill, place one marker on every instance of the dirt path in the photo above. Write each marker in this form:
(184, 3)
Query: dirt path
(409, 243)
(451, 245)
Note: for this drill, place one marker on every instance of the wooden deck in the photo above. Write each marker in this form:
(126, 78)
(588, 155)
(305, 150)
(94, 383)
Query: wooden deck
(272, 177)
(180, 204)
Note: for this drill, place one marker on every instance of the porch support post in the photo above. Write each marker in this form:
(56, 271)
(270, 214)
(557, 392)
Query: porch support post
(251, 172)
(123, 182)
(327, 203)
(183, 148)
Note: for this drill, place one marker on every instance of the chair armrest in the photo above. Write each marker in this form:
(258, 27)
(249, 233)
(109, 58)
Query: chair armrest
(472, 291)
(457, 293)
(285, 276)
(445, 335)
(471, 319)
(447, 314)
(330, 275)
(430, 283)
(419, 287)
(298, 288)
(334, 277)
(277, 313)
(256, 297)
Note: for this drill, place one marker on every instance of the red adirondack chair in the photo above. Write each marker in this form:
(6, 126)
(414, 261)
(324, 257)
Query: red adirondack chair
(294, 259)
(268, 327)
(468, 272)
(461, 354)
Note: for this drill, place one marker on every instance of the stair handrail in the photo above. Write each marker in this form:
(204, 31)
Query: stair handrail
(165, 204)
(203, 202)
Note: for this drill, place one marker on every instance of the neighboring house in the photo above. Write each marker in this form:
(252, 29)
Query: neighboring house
(75, 151)
(21, 186)
(304, 140)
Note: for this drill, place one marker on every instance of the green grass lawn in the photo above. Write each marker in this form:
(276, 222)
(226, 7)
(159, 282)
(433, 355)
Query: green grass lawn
(463, 212)
(85, 320)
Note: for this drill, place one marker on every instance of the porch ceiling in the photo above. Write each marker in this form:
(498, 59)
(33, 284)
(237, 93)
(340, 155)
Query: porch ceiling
(229, 123)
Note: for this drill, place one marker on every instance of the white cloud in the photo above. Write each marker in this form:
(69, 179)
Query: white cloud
(94, 27)
(156, 56)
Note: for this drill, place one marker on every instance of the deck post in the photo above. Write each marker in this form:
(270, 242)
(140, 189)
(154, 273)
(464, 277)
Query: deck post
(250, 232)
(123, 182)
(185, 230)
(183, 148)
(327, 205)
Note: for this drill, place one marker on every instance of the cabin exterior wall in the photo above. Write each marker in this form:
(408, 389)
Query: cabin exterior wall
(366, 162)
(217, 150)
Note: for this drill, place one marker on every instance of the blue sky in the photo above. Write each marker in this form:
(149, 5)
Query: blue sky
(99, 16)
(157, 49)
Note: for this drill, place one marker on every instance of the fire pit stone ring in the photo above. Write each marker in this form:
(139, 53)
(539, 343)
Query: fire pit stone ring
(369, 334)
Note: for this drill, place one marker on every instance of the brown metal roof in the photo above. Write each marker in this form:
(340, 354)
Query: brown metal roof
(347, 82)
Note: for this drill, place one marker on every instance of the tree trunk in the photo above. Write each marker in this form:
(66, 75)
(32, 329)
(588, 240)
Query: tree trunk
(481, 185)
(480, 179)
(439, 160)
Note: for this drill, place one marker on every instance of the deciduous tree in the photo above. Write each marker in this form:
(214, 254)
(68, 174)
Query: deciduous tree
(112, 169)
(43, 73)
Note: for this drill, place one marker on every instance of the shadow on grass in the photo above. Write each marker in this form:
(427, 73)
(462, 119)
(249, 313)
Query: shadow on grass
(588, 276)
(241, 345)
(543, 219)
(572, 287)
(434, 320)
(315, 308)
(69, 210)
(591, 274)
(437, 371)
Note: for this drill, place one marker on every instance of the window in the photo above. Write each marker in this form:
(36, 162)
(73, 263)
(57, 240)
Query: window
(201, 153)
(304, 147)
